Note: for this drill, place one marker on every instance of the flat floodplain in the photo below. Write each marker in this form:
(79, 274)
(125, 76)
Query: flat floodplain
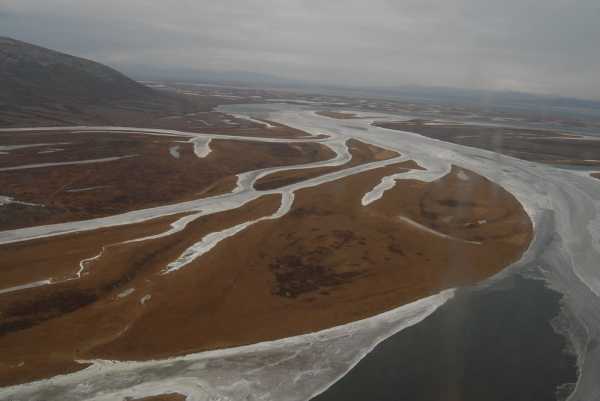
(147, 171)
(329, 261)
(539, 145)
(326, 230)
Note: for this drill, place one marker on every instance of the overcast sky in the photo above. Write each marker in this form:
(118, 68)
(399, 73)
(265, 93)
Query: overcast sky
(541, 46)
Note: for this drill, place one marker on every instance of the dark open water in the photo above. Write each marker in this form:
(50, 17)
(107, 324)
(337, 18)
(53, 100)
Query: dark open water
(486, 344)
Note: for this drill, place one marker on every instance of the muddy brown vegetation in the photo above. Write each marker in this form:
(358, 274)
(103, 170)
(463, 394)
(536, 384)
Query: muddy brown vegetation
(58, 258)
(361, 153)
(529, 144)
(327, 262)
(71, 316)
(73, 192)
(331, 261)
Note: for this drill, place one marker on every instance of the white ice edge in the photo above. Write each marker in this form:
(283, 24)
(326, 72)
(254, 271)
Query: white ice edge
(85, 189)
(234, 373)
(174, 151)
(34, 284)
(266, 124)
(6, 200)
(83, 264)
(47, 151)
(216, 203)
(429, 230)
(5, 148)
(389, 182)
(125, 293)
(201, 146)
(55, 164)
(177, 226)
(211, 240)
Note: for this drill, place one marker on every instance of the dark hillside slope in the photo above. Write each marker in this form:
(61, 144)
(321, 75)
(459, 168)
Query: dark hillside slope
(43, 87)
(33, 76)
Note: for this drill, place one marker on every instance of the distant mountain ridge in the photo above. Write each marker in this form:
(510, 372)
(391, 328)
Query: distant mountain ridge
(31, 75)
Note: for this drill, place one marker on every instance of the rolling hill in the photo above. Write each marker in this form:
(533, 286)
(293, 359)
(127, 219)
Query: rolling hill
(43, 87)
(35, 76)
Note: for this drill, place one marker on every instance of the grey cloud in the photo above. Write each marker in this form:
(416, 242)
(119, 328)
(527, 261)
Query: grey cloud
(546, 46)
